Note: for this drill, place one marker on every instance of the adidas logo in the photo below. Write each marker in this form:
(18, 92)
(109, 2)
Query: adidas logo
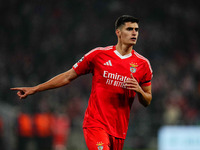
(108, 63)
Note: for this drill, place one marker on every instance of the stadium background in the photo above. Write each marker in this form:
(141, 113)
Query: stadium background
(40, 39)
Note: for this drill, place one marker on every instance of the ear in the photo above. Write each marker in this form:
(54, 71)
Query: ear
(118, 32)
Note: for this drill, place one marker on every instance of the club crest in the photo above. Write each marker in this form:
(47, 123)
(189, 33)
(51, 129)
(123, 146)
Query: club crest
(100, 145)
(133, 67)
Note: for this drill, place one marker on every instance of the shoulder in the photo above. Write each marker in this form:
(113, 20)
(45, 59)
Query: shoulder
(98, 50)
(139, 56)
(143, 59)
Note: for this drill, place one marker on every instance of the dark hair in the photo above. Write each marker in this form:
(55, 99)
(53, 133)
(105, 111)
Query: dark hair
(123, 19)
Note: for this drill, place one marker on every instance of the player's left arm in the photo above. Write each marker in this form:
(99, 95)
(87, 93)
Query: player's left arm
(145, 95)
(144, 92)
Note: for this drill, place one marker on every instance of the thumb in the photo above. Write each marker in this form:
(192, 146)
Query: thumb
(132, 76)
(22, 93)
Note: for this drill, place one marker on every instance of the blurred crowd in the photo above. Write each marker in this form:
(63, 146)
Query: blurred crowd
(40, 39)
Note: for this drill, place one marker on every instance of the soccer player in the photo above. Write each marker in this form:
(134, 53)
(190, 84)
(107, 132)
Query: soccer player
(119, 72)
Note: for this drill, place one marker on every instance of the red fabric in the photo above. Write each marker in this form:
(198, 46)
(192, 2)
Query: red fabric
(110, 102)
(25, 125)
(61, 128)
(98, 139)
(43, 124)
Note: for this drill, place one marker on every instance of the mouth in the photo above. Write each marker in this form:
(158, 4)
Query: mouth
(133, 39)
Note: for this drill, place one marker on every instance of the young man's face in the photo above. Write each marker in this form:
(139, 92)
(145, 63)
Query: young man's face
(128, 33)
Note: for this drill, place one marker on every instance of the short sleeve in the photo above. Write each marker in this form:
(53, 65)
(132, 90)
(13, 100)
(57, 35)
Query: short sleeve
(148, 74)
(85, 64)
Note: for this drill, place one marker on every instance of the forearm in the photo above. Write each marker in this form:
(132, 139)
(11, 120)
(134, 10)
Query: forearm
(144, 98)
(57, 81)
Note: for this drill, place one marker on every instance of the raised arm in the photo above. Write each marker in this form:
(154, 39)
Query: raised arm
(57, 81)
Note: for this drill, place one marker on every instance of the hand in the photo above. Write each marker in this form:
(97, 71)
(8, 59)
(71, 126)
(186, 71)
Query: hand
(132, 84)
(144, 92)
(23, 92)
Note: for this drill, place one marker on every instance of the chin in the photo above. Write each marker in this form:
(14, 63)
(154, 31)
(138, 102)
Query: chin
(134, 43)
(131, 43)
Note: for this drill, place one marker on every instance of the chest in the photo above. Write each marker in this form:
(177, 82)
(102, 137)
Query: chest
(111, 67)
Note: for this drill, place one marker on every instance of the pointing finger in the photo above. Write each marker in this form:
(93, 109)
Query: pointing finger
(15, 89)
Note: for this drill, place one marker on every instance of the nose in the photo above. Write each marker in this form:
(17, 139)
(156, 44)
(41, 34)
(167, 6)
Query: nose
(134, 32)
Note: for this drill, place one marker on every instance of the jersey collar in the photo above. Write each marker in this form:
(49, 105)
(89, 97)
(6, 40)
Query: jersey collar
(122, 56)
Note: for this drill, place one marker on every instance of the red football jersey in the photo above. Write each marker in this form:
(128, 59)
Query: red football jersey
(110, 102)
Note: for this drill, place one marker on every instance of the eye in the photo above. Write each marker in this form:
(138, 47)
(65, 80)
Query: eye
(136, 29)
(129, 29)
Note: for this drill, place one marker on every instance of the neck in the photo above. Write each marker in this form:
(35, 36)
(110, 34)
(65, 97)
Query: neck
(124, 49)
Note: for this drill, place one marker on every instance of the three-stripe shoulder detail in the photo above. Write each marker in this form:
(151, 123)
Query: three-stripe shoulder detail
(99, 49)
(143, 58)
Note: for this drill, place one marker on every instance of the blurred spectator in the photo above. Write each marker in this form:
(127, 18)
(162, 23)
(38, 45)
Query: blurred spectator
(25, 131)
(43, 121)
(61, 129)
(43, 131)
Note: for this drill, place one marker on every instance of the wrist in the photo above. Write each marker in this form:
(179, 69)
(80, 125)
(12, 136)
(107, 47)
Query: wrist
(140, 90)
(36, 88)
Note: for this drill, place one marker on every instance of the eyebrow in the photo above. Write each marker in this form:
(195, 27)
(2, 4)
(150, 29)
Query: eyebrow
(131, 28)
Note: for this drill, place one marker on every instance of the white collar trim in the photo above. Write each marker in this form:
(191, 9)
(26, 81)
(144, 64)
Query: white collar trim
(122, 56)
